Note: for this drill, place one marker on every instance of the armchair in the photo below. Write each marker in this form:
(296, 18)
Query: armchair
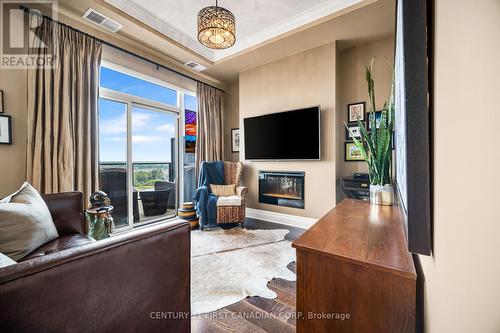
(228, 210)
(216, 211)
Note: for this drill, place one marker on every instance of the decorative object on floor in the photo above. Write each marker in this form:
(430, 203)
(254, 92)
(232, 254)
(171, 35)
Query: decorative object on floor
(188, 213)
(229, 265)
(352, 153)
(99, 223)
(235, 140)
(2, 105)
(216, 27)
(375, 146)
(5, 130)
(356, 111)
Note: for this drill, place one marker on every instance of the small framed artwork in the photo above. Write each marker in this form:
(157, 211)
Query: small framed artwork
(352, 130)
(235, 140)
(352, 153)
(5, 130)
(378, 117)
(1, 102)
(356, 111)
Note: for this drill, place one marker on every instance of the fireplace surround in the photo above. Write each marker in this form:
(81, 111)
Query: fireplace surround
(282, 188)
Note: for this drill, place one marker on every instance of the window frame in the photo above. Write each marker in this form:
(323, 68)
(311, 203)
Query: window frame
(131, 101)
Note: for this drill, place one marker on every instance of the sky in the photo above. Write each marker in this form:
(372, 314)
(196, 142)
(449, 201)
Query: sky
(151, 130)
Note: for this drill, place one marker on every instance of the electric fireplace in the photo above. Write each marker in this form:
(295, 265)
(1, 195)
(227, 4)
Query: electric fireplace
(282, 188)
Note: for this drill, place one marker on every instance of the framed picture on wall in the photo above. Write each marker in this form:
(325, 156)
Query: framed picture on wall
(355, 112)
(235, 140)
(352, 130)
(5, 130)
(352, 153)
(1, 102)
(378, 117)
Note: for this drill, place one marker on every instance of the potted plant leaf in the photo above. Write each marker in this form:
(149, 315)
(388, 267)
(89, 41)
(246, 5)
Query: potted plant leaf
(375, 144)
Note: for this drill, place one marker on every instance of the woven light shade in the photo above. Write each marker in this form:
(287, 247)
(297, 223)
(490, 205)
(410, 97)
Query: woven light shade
(216, 27)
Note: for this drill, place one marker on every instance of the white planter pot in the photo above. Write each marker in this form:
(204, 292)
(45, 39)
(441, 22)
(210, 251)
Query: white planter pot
(382, 195)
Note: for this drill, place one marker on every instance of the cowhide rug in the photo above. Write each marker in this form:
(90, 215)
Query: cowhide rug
(229, 265)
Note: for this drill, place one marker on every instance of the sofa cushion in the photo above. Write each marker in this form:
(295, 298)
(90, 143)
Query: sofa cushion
(232, 200)
(62, 243)
(25, 223)
(223, 190)
(5, 261)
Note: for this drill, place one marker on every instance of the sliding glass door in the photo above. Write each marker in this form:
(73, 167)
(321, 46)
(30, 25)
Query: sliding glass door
(154, 163)
(113, 156)
(147, 140)
(138, 150)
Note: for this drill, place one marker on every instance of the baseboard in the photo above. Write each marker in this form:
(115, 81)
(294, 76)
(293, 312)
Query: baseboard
(286, 219)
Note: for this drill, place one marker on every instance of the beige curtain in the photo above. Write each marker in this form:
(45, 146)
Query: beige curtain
(62, 112)
(209, 136)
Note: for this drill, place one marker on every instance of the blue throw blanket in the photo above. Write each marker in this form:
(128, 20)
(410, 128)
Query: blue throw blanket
(206, 202)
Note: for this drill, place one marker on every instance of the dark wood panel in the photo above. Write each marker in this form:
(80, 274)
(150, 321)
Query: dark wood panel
(374, 300)
(358, 232)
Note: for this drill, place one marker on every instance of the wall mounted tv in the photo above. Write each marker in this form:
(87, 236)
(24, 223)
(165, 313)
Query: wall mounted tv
(290, 135)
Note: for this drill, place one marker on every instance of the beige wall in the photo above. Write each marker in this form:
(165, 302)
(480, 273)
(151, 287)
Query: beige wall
(462, 293)
(231, 118)
(301, 80)
(352, 88)
(13, 82)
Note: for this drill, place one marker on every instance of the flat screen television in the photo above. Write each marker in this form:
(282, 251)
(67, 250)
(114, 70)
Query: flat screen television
(289, 135)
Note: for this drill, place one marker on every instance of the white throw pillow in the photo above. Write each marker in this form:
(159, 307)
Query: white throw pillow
(6, 261)
(25, 223)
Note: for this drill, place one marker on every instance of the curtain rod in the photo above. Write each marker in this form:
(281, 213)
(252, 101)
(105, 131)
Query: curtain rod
(29, 11)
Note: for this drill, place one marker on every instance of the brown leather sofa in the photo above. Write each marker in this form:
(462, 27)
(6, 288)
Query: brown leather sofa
(136, 282)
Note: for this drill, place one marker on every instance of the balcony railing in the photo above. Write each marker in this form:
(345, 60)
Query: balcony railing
(145, 174)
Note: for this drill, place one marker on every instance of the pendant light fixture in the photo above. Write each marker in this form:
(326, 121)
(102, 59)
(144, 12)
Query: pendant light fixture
(216, 27)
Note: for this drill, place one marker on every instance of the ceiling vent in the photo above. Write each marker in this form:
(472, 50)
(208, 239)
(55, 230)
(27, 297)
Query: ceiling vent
(195, 66)
(104, 22)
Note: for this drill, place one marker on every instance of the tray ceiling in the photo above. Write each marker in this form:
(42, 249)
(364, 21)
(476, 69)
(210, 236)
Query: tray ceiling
(257, 21)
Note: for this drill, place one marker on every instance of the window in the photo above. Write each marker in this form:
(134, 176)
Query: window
(139, 147)
(118, 81)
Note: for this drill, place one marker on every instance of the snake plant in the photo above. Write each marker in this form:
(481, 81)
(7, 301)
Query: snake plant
(375, 145)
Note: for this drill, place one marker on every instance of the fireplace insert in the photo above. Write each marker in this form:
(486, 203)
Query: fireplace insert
(282, 188)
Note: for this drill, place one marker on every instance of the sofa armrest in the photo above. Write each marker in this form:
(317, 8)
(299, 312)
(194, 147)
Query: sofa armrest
(67, 211)
(241, 191)
(108, 286)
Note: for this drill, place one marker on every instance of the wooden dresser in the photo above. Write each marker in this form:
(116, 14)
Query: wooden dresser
(354, 272)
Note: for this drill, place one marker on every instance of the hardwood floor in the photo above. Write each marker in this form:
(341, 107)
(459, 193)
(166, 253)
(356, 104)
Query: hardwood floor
(256, 314)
